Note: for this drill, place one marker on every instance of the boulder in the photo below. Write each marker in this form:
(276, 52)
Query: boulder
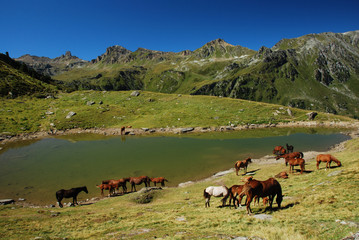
(70, 114)
(89, 103)
(185, 130)
(265, 217)
(135, 94)
(6, 201)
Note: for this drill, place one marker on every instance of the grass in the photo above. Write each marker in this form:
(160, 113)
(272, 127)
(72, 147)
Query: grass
(26, 114)
(312, 205)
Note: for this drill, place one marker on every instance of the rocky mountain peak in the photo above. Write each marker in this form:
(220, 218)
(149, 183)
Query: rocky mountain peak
(218, 41)
(68, 54)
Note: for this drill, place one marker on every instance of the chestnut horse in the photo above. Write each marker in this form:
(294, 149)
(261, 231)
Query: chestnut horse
(105, 186)
(296, 162)
(290, 155)
(116, 184)
(123, 129)
(278, 150)
(71, 193)
(221, 191)
(161, 180)
(269, 188)
(242, 164)
(235, 191)
(327, 158)
(139, 180)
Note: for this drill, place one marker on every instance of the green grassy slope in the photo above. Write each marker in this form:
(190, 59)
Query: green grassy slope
(151, 110)
(16, 80)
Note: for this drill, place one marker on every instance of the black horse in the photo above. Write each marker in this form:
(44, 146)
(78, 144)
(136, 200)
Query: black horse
(290, 148)
(73, 192)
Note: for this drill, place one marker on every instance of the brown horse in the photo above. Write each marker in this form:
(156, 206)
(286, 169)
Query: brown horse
(278, 150)
(161, 180)
(242, 164)
(235, 191)
(116, 184)
(328, 159)
(105, 186)
(139, 180)
(296, 162)
(288, 156)
(269, 188)
(123, 129)
(71, 193)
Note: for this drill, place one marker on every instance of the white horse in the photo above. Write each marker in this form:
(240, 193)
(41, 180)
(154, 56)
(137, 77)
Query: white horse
(221, 191)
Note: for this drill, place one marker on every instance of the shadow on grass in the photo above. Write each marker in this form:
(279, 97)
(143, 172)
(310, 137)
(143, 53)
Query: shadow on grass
(251, 172)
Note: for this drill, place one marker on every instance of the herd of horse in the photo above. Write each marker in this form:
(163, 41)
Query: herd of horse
(267, 190)
(253, 189)
(110, 185)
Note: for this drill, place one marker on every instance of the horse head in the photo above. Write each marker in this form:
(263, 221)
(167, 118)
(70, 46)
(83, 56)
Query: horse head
(85, 189)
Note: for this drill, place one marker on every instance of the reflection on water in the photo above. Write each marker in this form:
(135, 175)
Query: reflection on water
(38, 169)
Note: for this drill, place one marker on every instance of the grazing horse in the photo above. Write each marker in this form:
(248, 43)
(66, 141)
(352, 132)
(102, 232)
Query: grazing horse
(242, 164)
(221, 191)
(290, 148)
(235, 191)
(296, 162)
(161, 180)
(105, 186)
(278, 150)
(116, 184)
(327, 158)
(269, 188)
(139, 180)
(73, 192)
(290, 155)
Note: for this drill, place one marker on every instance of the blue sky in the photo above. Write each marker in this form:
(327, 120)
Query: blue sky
(86, 28)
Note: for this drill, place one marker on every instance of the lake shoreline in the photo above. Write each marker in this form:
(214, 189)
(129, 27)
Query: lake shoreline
(8, 138)
(266, 159)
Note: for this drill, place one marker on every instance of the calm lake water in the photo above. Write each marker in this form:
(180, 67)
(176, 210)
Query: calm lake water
(36, 170)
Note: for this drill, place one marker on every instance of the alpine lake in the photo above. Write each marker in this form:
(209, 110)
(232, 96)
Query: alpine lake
(35, 170)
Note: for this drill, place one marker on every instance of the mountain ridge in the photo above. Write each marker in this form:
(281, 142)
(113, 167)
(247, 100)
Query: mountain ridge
(315, 71)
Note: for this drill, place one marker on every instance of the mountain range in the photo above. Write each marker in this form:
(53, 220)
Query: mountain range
(315, 71)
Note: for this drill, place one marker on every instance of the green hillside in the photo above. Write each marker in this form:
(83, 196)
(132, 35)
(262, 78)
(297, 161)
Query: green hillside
(313, 72)
(17, 79)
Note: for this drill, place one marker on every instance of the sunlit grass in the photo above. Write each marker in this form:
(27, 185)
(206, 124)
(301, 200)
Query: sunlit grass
(313, 204)
(147, 110)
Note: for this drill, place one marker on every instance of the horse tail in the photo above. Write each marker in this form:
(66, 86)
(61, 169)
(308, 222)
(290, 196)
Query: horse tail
(301, 154)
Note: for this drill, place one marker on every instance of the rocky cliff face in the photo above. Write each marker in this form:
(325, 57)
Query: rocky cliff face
(316, 71)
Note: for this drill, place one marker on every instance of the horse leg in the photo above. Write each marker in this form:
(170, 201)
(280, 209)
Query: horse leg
(59, 198)
(318, 162)
(248, 204)
(207, 201)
